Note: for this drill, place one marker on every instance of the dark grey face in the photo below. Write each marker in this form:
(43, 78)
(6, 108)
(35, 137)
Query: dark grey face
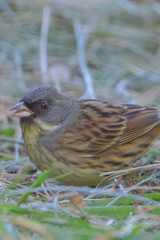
(47, 105)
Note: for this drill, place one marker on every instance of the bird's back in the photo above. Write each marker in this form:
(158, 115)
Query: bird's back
(109, 137)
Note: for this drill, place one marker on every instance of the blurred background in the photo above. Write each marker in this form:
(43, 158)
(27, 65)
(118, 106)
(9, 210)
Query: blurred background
(87, 49)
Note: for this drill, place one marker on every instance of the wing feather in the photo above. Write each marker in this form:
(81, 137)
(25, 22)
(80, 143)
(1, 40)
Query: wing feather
(97, 128)
(100, 125)
(140, 120)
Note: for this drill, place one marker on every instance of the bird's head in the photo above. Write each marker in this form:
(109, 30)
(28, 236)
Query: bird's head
(45, 106)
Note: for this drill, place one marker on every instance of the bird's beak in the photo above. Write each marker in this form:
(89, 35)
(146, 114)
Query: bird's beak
(20, 110)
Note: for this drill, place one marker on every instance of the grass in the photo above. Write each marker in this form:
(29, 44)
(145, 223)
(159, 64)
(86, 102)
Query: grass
(38, 208)
(121, 57)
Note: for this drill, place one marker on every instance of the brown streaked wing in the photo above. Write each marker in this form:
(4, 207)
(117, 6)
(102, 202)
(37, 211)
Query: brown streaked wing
(97, 128)
(140, 120)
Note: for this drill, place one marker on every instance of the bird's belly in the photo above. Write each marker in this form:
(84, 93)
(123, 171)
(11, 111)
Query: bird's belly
(74, 174)
(83, 170)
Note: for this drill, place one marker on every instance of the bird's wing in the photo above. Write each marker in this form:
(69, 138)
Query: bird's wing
(140, 120)
(98, 127)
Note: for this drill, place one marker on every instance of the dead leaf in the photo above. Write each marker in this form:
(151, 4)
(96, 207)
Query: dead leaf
(144, 209)
(76, 202)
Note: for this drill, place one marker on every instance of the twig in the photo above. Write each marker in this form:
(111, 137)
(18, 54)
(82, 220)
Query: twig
(11, 140)
(81, 36)
(19, 70)
(144, 188)
(132, 188)
(10, 13)
(16, 147)
(127, 171)
(43, 43)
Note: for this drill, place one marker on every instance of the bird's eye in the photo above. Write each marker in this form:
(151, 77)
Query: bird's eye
(43, 105)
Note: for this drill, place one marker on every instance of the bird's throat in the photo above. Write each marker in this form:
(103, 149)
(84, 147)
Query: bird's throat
(46, 127)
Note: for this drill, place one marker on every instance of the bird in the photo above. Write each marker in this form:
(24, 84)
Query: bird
(83, 137)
